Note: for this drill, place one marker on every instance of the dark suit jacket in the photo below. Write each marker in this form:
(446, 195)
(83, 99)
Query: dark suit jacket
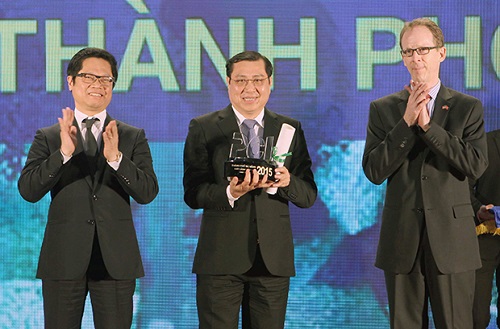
(228, 236)
(486, 189)
(427, 183)
(80, 207)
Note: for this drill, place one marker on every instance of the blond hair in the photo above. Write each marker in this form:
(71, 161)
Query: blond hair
(436, 31)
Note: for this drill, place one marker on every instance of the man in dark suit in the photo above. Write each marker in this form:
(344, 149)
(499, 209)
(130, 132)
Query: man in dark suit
(245, 247)
(485, 195)
(426, 141)
(90, 243)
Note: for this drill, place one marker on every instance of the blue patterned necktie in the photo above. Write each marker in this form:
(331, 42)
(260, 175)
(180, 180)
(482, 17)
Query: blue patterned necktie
(253, 141)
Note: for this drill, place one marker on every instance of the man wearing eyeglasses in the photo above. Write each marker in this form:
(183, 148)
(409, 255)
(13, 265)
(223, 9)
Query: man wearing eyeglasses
(92, 165)
(427, 141)
(245, 253)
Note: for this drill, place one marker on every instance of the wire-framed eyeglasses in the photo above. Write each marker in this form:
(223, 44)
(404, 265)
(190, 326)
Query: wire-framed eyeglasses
(244, 82)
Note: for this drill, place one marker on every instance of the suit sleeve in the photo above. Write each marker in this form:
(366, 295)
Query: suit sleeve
(42, 170)
(136, 174)
(468, 152)
(386, 147)
(201, 188)
(476, 204)
(302, 190)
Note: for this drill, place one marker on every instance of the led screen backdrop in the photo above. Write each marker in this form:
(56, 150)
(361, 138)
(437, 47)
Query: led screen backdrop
(331, 59)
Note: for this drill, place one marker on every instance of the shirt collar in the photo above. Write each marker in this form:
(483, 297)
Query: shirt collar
(80, 116)
(434, 90)
(259, 118)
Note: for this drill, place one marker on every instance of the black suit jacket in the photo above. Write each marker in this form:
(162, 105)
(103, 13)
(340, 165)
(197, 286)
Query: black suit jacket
(486, 189)
(82, 206)
(427, 179)
(228, 236)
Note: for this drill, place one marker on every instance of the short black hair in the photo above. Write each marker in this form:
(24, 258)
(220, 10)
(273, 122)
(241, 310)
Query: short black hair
(76, 62)
(251, 56)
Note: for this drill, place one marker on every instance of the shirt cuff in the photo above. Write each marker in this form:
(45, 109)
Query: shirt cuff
(230, 198)
(116, 164)
(65, 158)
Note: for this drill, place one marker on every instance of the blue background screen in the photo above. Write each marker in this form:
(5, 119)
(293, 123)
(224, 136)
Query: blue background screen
(331, 59)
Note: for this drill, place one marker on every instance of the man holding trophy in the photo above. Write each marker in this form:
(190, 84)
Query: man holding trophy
(243, 165)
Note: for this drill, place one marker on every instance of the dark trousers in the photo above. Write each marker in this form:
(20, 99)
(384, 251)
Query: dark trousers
(489, 248)
(112, 303)
(262, 297)
(450, 295)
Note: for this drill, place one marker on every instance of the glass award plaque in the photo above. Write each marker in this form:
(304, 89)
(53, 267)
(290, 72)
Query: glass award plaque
(241, 158)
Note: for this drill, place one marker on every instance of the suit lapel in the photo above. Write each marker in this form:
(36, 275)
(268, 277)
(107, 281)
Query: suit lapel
(442, 106)
(79, 150)
(101, 160)
(79, 138)
(227, 123)
(272, 126)
(496, 141)
(403, 96)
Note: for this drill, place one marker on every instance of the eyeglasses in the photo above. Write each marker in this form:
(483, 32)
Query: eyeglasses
(91, 78)
(244, 82)
(421, 51)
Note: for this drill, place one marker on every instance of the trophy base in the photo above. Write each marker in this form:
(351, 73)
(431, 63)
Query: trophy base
(238, 166)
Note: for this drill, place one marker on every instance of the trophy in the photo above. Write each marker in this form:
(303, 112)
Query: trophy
(240, 157)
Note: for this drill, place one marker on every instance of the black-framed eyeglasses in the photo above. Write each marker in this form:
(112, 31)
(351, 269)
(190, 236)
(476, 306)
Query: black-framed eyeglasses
(244, 82)
(421, 51)
(91, 78)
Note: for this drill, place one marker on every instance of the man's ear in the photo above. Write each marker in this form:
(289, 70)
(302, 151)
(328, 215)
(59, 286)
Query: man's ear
(69, 79)
(442, 53)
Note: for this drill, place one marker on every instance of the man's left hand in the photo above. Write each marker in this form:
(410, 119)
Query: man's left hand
(282, 176)
(110, 138)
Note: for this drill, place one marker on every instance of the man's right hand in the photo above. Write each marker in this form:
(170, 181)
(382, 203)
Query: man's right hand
(249, 183)
(68, 132)
(483, 214)
(417, 102)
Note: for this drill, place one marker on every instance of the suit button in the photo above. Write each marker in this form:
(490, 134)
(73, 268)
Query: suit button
(420, 210)
(91, 222)
(94, 197)
(424, 177)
